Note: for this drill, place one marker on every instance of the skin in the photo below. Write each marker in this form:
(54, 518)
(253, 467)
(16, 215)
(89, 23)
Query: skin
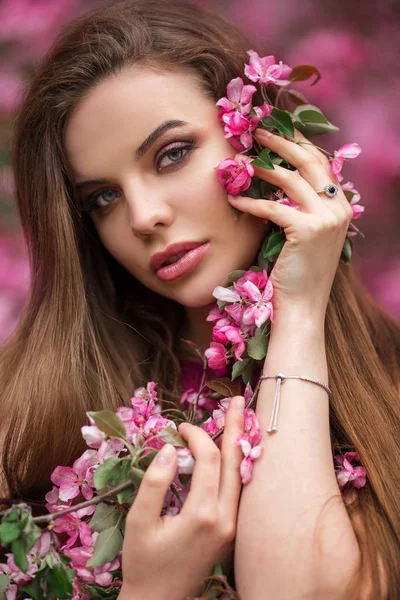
(144, 205)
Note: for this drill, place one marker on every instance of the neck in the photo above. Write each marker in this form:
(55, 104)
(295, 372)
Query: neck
(197, 330)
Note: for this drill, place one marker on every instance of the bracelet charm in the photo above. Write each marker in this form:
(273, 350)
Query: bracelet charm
(280, 378)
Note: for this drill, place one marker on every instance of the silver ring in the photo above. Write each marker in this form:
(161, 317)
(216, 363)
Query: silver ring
(329, 190)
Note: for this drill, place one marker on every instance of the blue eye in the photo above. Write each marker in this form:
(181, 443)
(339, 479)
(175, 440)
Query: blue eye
(103, 199)
(174, 154)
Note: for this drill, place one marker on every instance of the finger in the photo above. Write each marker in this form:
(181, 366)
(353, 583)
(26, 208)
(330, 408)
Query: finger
(284, 216)
(231, 484)
(311, 163)
(149, 500)
(204, 487)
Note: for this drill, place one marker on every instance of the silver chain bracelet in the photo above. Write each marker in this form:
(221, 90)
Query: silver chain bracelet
(280, 378)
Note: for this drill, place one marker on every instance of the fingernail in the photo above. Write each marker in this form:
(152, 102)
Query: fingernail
(165, 455)
(239, 404)
(263, 133)
(234, 198)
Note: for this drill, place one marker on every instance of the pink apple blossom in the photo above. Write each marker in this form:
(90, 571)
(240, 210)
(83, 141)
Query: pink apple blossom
(346, 151)
(216, 355)
(261, 310)
(238, 130)
(152, 428)
(238, 97)
(358, 209)
(76, 480)
(185, 461)
(266, 70)
(235, 176)
(80, 555)
(349, 472)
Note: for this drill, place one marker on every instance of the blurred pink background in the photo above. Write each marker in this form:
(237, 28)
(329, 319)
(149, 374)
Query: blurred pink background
(355, 45)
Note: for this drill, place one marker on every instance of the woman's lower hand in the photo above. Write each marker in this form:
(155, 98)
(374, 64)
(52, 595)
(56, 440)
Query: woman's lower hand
(170, 556)
(305, 269)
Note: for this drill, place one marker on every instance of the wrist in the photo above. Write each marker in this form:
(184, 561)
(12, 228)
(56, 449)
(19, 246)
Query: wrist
(304, 317)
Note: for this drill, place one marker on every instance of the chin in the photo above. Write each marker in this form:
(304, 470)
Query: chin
(196, 298)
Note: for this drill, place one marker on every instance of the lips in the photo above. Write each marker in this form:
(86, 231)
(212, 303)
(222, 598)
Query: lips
(159, 258)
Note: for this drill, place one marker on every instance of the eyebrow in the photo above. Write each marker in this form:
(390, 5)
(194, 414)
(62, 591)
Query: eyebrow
(141, 151)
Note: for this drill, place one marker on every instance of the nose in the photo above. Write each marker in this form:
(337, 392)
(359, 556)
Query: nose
(148, 208)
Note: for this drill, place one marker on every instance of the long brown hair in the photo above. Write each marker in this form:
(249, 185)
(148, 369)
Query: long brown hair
(91, 333)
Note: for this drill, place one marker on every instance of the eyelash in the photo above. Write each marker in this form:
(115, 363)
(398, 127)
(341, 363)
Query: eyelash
(187, 145)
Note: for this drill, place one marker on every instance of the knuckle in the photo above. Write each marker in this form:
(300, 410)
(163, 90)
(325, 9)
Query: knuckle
(213, 456)
(153, 480)
(332, 223)
(228, 532)
(206, 519)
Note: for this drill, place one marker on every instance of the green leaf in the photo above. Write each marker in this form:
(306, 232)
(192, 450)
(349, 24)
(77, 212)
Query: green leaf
(4, 581)
(106, 516)
(313, 121)
(304, 72)
(107, 546)
(235, 275)
(60, 581)
(284, 118)
(263, 160)
(280, 120)
(218, 570)
(109, 423)
(148, 458)
(105, 473)
(126, 496)
(19, 551)
(9, 532)
(172, 436)
(239, 366)
(260, 188)
(257, 345)
(224, 386)
(347, 250)
(274, 245)
(34, 589)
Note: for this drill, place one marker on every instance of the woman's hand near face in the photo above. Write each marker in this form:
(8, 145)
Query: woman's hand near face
(305, 269)
(169, 556)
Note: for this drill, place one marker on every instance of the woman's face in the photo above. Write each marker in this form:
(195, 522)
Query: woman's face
(143, 146)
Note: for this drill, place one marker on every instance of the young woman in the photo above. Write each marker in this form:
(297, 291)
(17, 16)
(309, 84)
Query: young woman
(114, 156)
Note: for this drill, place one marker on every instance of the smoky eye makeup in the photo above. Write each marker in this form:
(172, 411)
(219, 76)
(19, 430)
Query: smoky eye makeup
(169, 156)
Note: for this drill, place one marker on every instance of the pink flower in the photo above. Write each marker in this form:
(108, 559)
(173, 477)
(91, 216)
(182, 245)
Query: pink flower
(235, 176)
(152, 428)
(249, 443)
(357, 208)
(216, 355)
(238, 97)
(75, 480)
(185, 461)
(258, 278)
(350, 473)
(92, 435)
(263, 110)
(238, 130)
(225, 294)
(262, 310)
(143, 400)
(346, 151)
(233, 335)
(266, 70)
(70, 524)
(82, 554)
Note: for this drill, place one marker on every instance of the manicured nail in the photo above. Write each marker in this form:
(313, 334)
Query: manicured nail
(263, 133)
(165, 455)
(239, 404)
(234, 198)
